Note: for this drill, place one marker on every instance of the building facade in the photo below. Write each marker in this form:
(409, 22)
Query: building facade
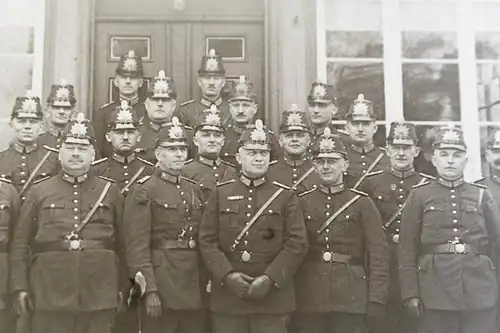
(425, 61)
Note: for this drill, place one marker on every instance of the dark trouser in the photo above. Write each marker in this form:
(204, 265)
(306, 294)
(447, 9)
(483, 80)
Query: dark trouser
(249, 323)
(174, 321)
(440, 321)
(127, 321)
(330, 322)
(73, 322)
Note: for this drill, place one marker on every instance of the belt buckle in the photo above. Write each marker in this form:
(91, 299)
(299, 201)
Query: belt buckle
(395, 238)
(74, 242)
(460, 248)
(246, 256)
(192, 244)
(327, 256)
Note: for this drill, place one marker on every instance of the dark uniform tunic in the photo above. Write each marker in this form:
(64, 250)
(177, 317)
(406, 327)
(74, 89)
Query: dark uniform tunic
(441, 213)
(360, 160)
(125, 171)
(162, 217)
(389, 191)
(58, 279)
(51, 138)
(230, 148)
(207, 173)
(17, 163)
(101, 119)
(288, 171)
(277, 243)
(190, 113)
(343, 286)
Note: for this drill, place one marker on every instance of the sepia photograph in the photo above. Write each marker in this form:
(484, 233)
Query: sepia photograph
(262, 166)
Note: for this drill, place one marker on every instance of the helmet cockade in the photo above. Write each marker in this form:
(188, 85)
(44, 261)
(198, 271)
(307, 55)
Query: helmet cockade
(176, 131)
(294, 118)
(79, 127)
(124, 115)
(401, 130)
(258, 134)
(451, 136)
(361, 108)
(319, 91)
(29, 105)
(62, 93)
(130, 64)
(212, 117)
(161, 85)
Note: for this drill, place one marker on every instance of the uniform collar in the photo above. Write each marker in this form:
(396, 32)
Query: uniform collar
(332, 189)
(364, 149)
(168, 177)
(403, 174)
(208, 103)
(252, 182)
(55, 132)
(123, 159)
(22, 149)
(75, 180)
(235, 128)
(319, 130)
(209, 162)
(156, 127)
(131, 101)
(295, 163)
(450, 183)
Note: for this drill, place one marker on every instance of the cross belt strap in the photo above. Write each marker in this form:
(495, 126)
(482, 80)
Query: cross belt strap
(337, 213)
(256, 216)
(400, 209)
(35, 171)
(301, 179)
(93, 210)
(132, 180)
(370, 168)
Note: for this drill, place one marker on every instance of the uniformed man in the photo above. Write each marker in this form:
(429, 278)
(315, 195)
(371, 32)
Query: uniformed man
(25, 160)
(124, 167)
(295, 168)
(363, 155)
(493, 159)
(162, 217)
(9, 210)
(448, 230)
(322, 110)
(128, 81)
(243, 108)
(63, 260)
(60, 107)
(253, 239)
(390, 191)
(344, 279)
(211, 81)
(208, 169)
(160, 105)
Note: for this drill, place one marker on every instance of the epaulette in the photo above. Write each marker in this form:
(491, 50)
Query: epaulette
(187, 102)
(382, 148)
(139, 150)
(479, 180)
(479, 185)
(359, 192)
(51, 149)
(42, 179)
(281, 185)
(107, 104)
(374, 173)
(427, 176)
(104, 159)
(189, 180)
(226, 182)
(342, 132)
(143, 179)
(187, 127)
(188, 161)
(227, 163)
(307, 192)
(141, 121)
(420, 185)
(271, 132)
(5, 180)
(145, 161)
(273, 162)
(107, 179)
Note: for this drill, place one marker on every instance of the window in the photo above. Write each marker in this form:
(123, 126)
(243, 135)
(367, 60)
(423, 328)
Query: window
(418, 60)
(21, 55)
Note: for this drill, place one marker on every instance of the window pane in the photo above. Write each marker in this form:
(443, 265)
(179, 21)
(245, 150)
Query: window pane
(15, 79)
(488, 91)
(485, 15)
(352, 79)
(354, 44)
(488, 45)
(353, 15)
(431, 92)
(428, 15)
(425, 135)
(429, 45)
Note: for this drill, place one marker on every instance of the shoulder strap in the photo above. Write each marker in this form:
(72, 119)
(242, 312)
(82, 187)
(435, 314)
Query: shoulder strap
(301, 179)
(337, 213)
(369, 170)
(256, 216)
(33, 174)
(481, 193)
(187, 102)
(94, 208)
(143, 179)
(144, 161)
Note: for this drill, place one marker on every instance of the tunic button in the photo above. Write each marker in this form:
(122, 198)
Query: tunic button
(453, 196)
(364, 163)
(23, 157)
(453, 204)
(75, 218)
(294, 170)
(23, 164)
(347, 216)
(23, 181)
(401, 197)
(182, 193)
(432, 207)
(329, 198)
(308, 217)
(455, 221)
(52, 205)
(400, 190)
(126, 182)
(455, 230)
(125, 167)
(23, 173)
(364, 171)
(400, 205)
(75, 193)
(249, 198)
(250, 191)
(454, 211)
(227, 209)
(75, 201)
(327, 213)
(216, 175)
(249, 206)
(399, 222)
(125, 174)
(75, 186)
(402, 182)
(184, 201)
(166, 205)
(270, 211)
(75, 209)
(362, 156)
(248, 214)
(326, 238)
(327, 230)
(327, 206)
(294, 175)
(452, 191)
(75, 225)
(379, 197)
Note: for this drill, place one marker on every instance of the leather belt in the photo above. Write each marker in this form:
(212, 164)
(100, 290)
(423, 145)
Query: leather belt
(67, 246)
(250, 257)
(458, 248)
(331, 257)
(168, 244)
